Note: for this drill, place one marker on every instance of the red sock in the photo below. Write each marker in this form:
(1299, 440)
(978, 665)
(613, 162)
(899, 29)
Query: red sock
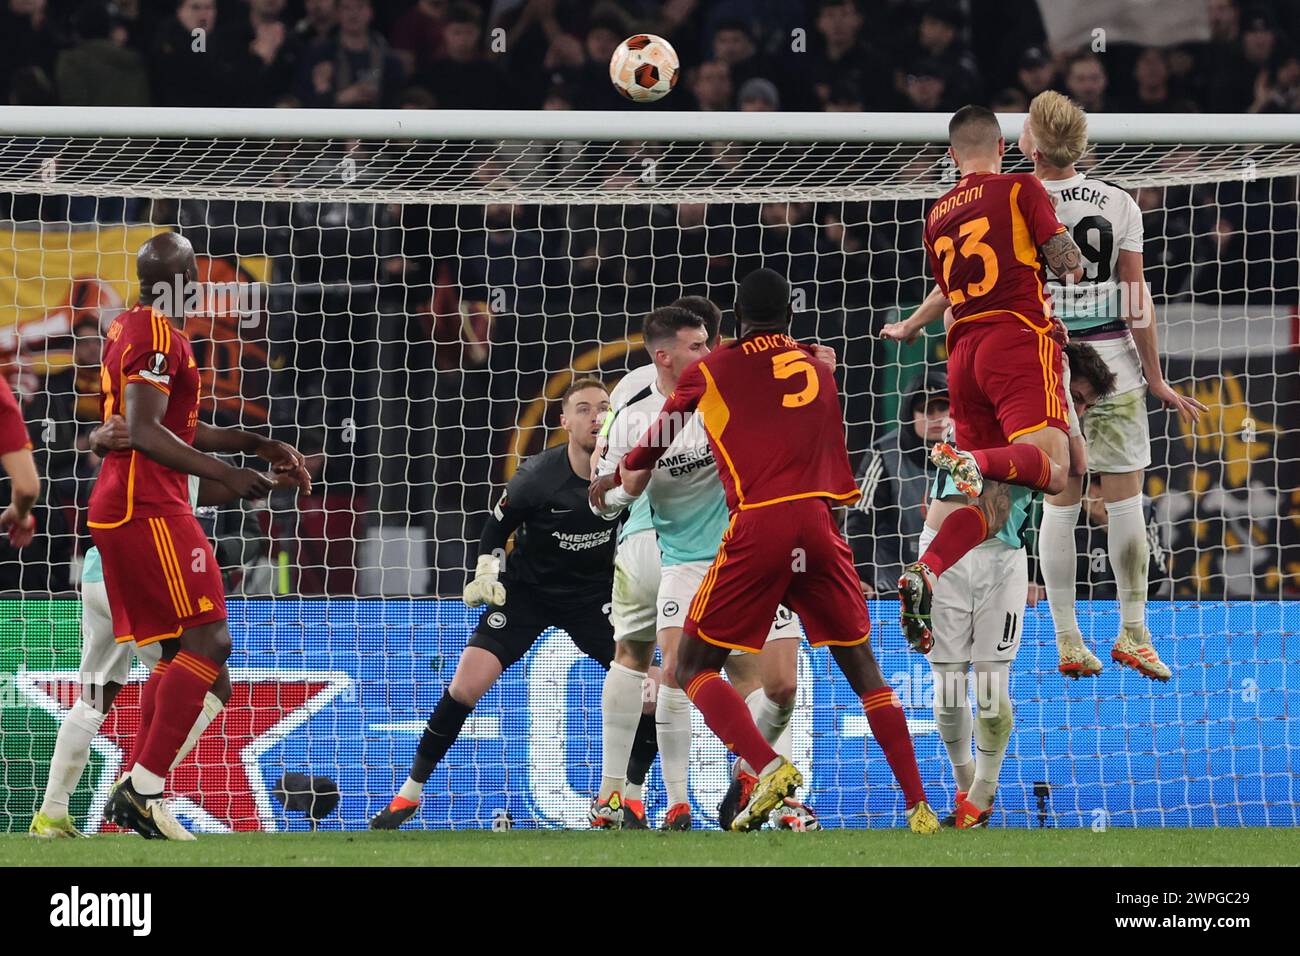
(148, 699)
(1021, 464)
(725, 712)
(889, 727)
(180, 698)
(962, 530)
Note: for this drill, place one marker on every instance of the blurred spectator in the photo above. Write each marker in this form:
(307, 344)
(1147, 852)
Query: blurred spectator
(1010, 100)
(758, 95)
(1085, 81)
(1278, 91)
(733, 44)
(843, 61)
(1152, 93)
(463, 78)
(1037, 72)
(417, 98)
(417, 35)
(1243, 70)
(356, 68)
(97, 71)
(711, 86)
(265, 53)
(27, 40)
(938, 39)
(317, 25)
(187, 63)
(926, 87)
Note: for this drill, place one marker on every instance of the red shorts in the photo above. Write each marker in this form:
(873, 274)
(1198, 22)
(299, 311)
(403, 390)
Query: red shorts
(1004, 381)
(161, 577)
(787, 553)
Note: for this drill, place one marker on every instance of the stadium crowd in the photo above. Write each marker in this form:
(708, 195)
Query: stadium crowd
(553, 54)
(378, 320)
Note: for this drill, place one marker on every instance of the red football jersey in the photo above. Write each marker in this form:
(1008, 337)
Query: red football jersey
(982, 237)
(13, 428)
(772, 413)
(142, 346)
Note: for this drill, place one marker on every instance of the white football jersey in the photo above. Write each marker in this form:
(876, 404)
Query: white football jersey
(1103, 220)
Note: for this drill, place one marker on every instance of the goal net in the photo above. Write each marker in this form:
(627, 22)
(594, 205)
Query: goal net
(404, 296)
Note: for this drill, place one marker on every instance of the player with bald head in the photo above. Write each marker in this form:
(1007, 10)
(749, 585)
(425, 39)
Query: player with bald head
(992, 240)
(162, 579)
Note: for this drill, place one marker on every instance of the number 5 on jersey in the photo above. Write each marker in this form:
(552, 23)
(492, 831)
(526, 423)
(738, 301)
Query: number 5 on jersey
(788, 365)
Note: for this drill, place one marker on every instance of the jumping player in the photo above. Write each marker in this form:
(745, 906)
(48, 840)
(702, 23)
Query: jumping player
(978, 610)
(559, 574)
(775, 425)
(988, 239)
(1111, 309)
(162, 579)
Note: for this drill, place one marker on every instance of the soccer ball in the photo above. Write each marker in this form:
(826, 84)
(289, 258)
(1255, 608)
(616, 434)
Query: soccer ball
(644, 68)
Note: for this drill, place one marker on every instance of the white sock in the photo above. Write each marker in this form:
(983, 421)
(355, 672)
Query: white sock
(992, 728)
(632, 791)
(673, 723)
(620, 713)
(411, 790)
(952, 715)
(71, 751)
(1126, 540)
(146, 782)
(773, 722)
(211, 707)
(1057, 557)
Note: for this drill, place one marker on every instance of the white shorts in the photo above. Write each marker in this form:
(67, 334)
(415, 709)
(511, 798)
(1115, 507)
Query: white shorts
(636, 587)
(978, 609)
(677, 586)
(103, 660)
(1119, 439)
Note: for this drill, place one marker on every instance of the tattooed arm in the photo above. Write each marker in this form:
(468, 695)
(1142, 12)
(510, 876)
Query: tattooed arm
(1063, 258)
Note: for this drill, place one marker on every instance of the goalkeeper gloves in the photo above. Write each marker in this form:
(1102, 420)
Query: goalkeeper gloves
(485, 588)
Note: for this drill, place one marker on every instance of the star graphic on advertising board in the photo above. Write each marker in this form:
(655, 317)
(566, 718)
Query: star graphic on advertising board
(219, 786)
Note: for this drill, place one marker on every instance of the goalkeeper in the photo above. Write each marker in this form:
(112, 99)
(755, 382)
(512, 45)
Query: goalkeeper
(559, 574)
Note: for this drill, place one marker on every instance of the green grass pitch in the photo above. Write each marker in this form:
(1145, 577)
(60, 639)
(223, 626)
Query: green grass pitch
(1115, 847)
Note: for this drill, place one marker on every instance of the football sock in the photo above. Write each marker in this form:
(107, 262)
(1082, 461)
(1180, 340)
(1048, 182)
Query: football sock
(889, 727)
(993, 725)
(772, 721)
(1126, 540)
(71, 751)
(725, 712)
(1021, 464)
(211, 707)
(148, 698)
(440, 733)
(962, 530)
(673, 723)
(1057, 558)
(179, 701)
(620, 714)
(644, 747)
(952, 716)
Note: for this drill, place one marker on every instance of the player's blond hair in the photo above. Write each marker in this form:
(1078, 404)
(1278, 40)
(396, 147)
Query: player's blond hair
(1059, 127)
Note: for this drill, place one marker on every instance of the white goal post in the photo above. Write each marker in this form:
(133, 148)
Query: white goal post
(414, 290)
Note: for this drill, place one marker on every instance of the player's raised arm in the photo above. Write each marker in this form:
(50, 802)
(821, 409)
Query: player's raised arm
(606, 495)
(1140, 314)
(634, 470)
(929, 311)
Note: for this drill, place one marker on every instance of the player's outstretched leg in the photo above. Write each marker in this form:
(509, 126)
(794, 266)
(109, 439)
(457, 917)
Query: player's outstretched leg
(1057, 558)
(698, 670)
(993, 724)
(952, 717)
(621, 713)
(476, 672)
(889, 727)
